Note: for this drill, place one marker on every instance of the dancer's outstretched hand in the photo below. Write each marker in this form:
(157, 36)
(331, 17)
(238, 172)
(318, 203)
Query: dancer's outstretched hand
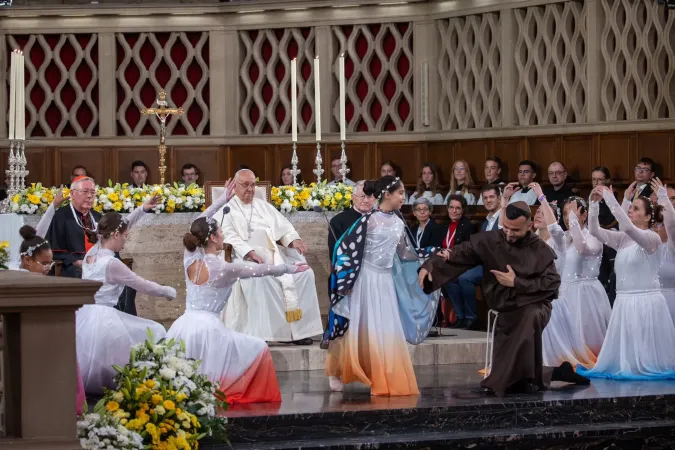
(150, 204)
(507, 279)
(424, 275)
(630, 191)
(301, 267)
(229, 188)
(58, 198)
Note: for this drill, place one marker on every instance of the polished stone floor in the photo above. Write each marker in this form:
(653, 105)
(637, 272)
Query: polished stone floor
(307, 392)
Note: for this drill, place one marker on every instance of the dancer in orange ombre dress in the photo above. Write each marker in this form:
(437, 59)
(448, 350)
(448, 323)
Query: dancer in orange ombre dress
(376, 304)
(239, 365)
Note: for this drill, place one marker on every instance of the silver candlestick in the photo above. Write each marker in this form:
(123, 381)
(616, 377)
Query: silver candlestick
(344, 170)
(294, 162)
(319, 163)
(21, 185)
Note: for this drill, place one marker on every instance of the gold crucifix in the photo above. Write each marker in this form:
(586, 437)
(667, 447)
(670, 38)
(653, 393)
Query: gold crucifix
(162, 112)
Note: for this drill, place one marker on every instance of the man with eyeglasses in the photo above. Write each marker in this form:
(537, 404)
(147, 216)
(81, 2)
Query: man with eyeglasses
(527, 172)
(335, 166)
(559, 190)
(277, 309)
(644, 172)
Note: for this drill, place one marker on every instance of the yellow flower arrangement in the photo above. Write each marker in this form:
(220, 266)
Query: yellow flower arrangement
(288, 199)
(161, 403)
(4, 254)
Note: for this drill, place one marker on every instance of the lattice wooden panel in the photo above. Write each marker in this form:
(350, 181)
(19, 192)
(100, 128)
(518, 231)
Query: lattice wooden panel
(469, 68)
(551, 60)
(379, 90)
(177, 62)
(638, 49)
(61, 83)
(265, 74)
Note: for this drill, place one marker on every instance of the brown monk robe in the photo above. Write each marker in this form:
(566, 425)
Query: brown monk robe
(519, 281)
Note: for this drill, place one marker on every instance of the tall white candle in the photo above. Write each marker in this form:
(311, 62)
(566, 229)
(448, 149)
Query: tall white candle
(12, 96)
(21, 100)
(294, 100)
(343, 120)
(317, 99)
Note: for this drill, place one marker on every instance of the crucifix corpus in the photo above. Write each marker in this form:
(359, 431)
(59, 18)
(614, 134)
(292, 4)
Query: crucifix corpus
(162, 112)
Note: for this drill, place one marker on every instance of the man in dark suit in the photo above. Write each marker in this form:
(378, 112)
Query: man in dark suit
(644, 172)
(361, 204)
(462, 292)
(426, 233)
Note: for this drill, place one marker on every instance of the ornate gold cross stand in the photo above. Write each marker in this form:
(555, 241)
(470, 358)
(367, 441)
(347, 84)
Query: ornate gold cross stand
(162, 112)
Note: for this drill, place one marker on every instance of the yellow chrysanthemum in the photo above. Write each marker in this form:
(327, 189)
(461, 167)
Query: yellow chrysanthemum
(157, 399)
(112, 406)
(338, 196)
(169, 405)
(117, 206)
(113, 197)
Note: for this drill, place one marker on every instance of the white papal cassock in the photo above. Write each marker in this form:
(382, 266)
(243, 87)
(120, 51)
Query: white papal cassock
(268, 307)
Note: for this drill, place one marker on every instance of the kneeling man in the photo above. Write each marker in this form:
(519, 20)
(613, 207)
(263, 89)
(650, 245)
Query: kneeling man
(280, 309)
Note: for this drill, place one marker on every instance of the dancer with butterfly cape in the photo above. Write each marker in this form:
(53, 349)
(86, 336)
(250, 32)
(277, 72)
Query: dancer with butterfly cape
(376, 304)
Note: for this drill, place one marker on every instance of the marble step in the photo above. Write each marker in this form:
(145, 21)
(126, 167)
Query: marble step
(653, 435)
(453, 347)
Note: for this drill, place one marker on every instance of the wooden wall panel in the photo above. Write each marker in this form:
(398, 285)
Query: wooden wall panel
(39, 163)
(124, 156)
(96, 160)
(615, 151)
(357, 155)
(511, 152)
(542, 150)
(443, 154)
(408, 155)
(660, 148)
(255, 157)
(578, 157)
(210, 161)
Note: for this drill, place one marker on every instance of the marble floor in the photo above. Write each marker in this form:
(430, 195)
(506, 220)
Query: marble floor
(456, 385)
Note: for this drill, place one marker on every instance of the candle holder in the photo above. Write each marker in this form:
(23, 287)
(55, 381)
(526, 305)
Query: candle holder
(344, 170)
(294, 164)
(319, 163)
(16, 173)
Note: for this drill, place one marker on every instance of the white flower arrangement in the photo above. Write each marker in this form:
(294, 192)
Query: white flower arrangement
(105, 432)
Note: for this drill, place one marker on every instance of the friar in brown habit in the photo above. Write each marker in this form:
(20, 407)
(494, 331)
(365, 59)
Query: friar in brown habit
(519, 282)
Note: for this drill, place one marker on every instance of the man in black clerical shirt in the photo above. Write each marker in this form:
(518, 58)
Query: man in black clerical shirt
(559, 190)
(361, 204)
(139, 174)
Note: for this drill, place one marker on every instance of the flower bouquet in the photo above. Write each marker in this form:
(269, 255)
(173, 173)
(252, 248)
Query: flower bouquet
(289, 198)
(4, 255)
(341, 197)
(34, 199)
(160, 402)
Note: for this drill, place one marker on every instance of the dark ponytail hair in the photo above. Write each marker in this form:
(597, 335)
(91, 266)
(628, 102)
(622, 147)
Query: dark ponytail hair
(199, 234)
(32, 243)
(377, 188)
(110, 223)
(651, 209)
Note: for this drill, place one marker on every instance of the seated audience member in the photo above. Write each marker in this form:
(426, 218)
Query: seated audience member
(527, 171)
(493, 173)
(461, 181)
(600, 176)
(335, 166)
(428, 186)
(286, 176)
(644, 172)
(139, 174)
(559, 190)
(78, 171)
(426, 232)
(460, 230)
(391, 169)
(190, 174)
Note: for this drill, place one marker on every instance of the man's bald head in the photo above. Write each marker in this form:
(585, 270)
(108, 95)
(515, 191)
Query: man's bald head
(245, 185)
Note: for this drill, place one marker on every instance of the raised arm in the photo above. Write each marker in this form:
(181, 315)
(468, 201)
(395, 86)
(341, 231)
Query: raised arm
(46, 219)
(608, 237)
(668, 214)
(220, 202)
(549, 216)
(118, 273)
(558, 236)
(646, 239)
(585, 246)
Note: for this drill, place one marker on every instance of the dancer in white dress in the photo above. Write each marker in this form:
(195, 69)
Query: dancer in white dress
(667, 249)
(373, 296)
(104, 334)
(640, 340)
(240, 366)
(581, 313)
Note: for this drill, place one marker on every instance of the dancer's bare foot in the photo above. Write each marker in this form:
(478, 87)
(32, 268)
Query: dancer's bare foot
(336, 384)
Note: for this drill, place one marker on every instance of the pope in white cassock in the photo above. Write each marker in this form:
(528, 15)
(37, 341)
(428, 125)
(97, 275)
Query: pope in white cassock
(280, 309)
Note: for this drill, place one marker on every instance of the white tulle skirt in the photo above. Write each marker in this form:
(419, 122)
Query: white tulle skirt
(640, 341)
(104, 337)
(241, 366)
(669, 295)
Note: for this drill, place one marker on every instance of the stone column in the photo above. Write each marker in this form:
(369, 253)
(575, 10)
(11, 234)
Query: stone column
(426, 79)
(224, 82)
(107, 90)
(40, 379)
(594, 64)
(508, 65)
